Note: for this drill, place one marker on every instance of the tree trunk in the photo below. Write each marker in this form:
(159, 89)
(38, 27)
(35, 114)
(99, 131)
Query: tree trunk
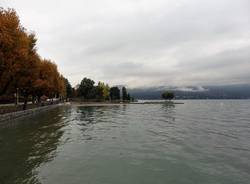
(39, 99)
(25, 102)
(33, 99)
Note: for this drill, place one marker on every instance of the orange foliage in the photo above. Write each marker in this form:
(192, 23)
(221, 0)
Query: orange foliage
(20, 65)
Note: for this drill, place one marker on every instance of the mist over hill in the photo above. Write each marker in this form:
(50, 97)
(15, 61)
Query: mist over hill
(195, 92)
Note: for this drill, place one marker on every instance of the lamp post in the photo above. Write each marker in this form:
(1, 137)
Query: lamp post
(17, 96)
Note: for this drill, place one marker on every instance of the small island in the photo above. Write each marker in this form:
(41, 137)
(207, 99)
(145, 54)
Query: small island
(168, 95)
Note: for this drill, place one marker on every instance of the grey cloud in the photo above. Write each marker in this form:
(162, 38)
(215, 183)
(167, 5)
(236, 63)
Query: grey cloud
(143, 42)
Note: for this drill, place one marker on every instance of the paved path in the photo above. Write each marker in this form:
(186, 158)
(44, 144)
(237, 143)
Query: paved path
(12, 104)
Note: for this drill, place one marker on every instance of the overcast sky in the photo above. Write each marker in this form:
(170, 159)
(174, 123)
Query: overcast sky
(143, 42)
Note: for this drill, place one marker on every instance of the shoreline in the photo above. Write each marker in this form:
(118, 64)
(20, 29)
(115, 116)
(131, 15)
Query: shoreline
(97, 104)
(14, 115)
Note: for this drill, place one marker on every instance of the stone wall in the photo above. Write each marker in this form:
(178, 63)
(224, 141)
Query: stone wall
(13, 115)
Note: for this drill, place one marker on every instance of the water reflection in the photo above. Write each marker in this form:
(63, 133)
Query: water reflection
(91, 115)
(85, 115)
(86, 119)
(27, 145)
(197, 142)
(168, 111)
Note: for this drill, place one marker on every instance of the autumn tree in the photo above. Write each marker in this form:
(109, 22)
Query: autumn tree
(102, 91)
(26, 76)
(20, 65)
(48, 82)
(62, 90)
(16, 49)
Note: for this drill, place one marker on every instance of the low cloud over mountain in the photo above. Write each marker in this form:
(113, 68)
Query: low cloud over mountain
(206, 92)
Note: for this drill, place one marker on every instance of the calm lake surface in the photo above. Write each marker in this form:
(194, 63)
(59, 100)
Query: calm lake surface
(199, 142)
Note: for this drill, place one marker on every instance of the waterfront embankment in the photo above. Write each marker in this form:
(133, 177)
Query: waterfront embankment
(13, 115)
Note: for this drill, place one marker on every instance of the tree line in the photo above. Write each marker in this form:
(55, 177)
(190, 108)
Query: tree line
(87, 91)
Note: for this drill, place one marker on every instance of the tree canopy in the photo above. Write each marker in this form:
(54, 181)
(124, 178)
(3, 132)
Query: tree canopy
(20, 65)
(87, 90)
(125, 94)
(69, 89)
(168, 95)
(115, 93)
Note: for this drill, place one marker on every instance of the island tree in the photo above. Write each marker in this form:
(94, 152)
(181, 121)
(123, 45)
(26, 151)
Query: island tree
(168, 95)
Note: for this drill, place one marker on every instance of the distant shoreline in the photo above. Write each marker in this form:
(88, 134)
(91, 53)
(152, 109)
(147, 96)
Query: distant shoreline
(93, 104)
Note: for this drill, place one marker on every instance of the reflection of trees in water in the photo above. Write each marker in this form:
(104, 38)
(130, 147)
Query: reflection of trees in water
(92, 115)
(27, 145)
(123, 109)
(86, 117)
(168, 111)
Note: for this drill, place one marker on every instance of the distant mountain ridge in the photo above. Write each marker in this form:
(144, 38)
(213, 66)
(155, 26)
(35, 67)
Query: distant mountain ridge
(195, 92)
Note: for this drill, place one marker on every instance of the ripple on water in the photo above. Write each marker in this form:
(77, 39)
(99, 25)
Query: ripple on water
(197, 142)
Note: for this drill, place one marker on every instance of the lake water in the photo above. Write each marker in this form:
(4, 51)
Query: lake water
(199, 142)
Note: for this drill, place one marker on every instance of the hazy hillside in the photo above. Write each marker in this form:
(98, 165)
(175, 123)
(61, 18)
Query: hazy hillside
(205, 92)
